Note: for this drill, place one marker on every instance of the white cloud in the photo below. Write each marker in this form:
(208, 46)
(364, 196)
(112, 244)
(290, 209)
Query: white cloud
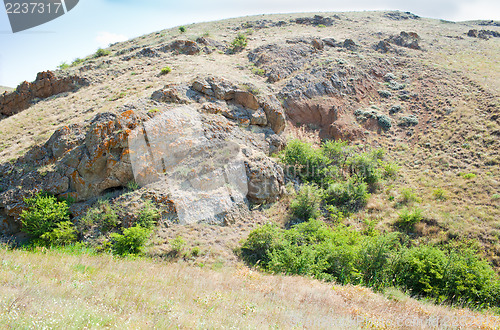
(483, 9)
(105, 38)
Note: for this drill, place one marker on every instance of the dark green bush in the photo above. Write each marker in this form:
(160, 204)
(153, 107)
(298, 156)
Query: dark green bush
(261, 242)
(182, 29)
(459, 277)
(101, 52)
(343, 255)
(43, 214)
(148, 215)
(350, 195)
(408, 218)
(131, 241)
(64, 234)
(239, 42)
(306, 204)
(365, 167)
(306, 162)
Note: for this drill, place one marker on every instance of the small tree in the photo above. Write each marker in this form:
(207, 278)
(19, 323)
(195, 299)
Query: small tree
(131, 241)
(43, 214)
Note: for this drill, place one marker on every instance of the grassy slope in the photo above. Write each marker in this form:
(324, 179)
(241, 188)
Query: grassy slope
(51, 289)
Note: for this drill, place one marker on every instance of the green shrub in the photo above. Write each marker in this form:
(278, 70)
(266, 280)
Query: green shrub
(343, 255)
(350, 195)
(348, 257)
(131, 241)
(64, 234)
(459, 277)
(148, 215)
(468, 175)
(77, 61)
(375, 258)
(421, 270)
(408, 196)
(63, 66)
(165, 70)
(307, 163)
(43, 214)
(101, 52)
(132, 185)
(365, 167)
(182, 29)
(408, 218)
(389, 170)
(259, 72)
(439, 194)
(260, 243)
(178, 245)
(239, 42)
(337, 151)
(306, 204)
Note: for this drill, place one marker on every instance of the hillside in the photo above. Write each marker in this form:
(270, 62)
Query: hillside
(5, 89)
(188, 125)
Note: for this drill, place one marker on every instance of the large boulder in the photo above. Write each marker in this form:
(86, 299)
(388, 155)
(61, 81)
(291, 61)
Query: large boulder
(265, 179)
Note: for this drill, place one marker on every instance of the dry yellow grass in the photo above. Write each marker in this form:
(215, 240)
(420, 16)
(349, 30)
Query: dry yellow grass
(56, 290)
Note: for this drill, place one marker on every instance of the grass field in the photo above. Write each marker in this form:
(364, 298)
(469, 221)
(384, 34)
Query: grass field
(76, 289)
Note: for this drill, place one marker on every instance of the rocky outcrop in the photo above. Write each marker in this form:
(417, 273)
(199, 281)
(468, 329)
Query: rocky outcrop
(186, 47)
(242, 106)
(85, 161)
(209, 45)
(279, 61)
(406, 39)
(45, 85)
(265, 179)
(316, 20)
(399, 16)
(483, 34)
(383, 46)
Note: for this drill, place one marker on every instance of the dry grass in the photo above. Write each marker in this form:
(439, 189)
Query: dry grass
(57, 290)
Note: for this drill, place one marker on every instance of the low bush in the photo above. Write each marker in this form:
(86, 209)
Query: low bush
(178, 244)
(165, 70)
(131, 241)
(43, 214)
(101, 52)
(350, 195)
(408, 196)
(379, 261)
(182, 29)
(408, 218)
(64, 234)
(148, 215)
(345, 174)
(239, 42)
(458, 277)
(440, 194)
(306, 204)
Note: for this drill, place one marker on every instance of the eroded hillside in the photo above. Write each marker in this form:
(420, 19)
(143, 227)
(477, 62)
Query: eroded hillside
(424, 90)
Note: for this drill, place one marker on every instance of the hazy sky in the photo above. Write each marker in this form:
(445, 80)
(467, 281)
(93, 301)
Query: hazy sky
(96, 23)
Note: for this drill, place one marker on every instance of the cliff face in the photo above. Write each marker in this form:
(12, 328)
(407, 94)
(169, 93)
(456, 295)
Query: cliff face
(232, 92)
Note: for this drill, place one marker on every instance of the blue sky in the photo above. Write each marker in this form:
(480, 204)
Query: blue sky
(96, 23)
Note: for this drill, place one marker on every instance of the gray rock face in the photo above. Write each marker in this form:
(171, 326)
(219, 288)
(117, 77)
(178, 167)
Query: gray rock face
(265, 179)
(242, 106)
